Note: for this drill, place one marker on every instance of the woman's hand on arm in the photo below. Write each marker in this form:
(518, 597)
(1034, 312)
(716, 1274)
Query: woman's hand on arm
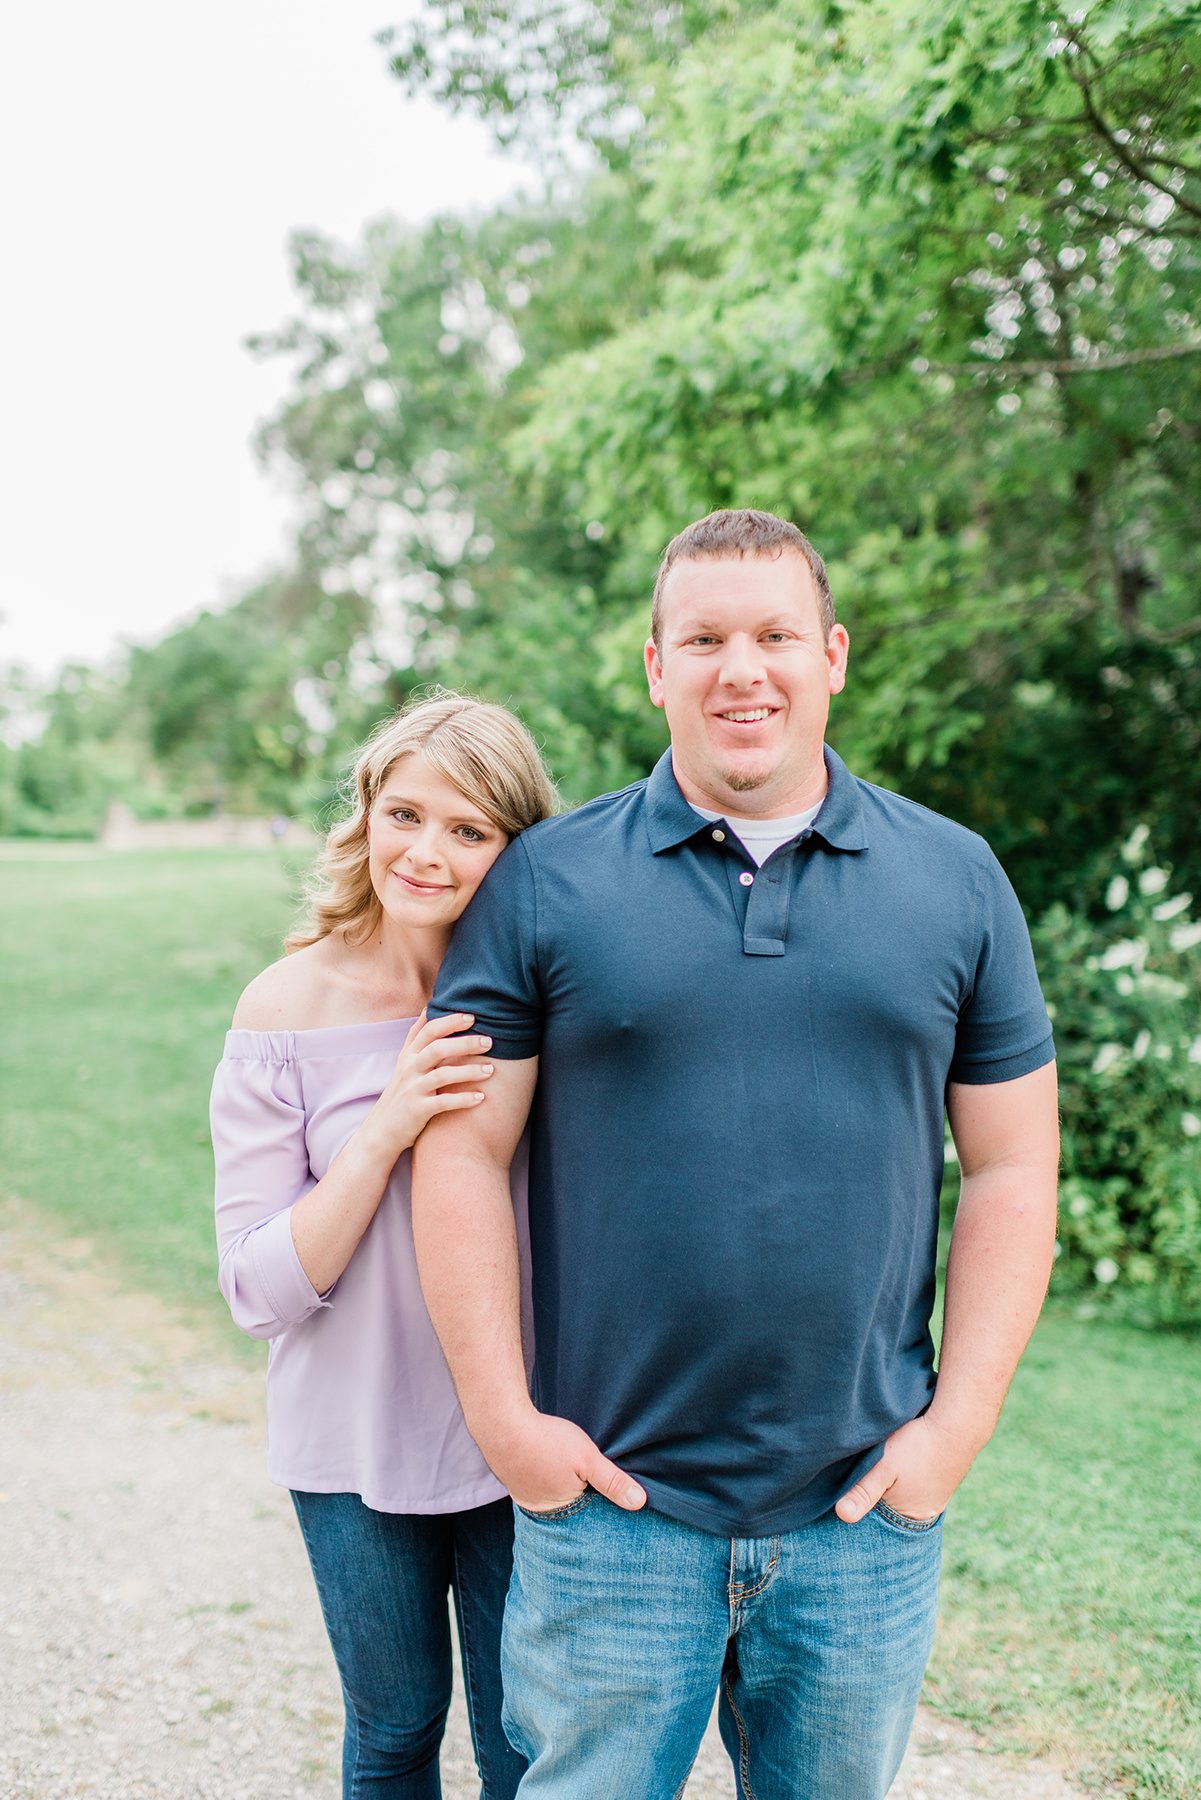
(436, 1072)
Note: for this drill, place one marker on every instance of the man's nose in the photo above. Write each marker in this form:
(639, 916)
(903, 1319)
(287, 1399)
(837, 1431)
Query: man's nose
(742, 663)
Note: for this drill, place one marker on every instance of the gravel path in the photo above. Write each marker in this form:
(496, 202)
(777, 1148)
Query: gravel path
(159, 1636)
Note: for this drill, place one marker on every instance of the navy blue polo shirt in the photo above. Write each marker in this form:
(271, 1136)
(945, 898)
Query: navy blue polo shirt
(737, 1135)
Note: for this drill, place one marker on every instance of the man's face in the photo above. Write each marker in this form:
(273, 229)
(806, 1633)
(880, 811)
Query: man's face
(745, 676)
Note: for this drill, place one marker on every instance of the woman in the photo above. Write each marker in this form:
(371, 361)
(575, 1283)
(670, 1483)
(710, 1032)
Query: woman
(329, 1074)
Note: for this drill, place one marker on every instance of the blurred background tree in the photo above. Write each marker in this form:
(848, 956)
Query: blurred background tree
(922, 276)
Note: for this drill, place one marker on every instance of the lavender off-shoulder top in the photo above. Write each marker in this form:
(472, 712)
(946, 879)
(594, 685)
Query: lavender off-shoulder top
(359, 1398)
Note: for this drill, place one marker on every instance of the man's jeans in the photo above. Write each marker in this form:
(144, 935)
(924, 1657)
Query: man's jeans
(621, 1627)
(383, 1580)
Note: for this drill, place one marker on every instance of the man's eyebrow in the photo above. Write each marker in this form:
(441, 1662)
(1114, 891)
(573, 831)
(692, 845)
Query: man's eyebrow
(772, 623)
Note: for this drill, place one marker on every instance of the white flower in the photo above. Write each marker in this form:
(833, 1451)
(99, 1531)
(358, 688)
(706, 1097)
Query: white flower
(1128, 953)
(1117, 893)
(1167, 909)
(1183, 937)
(1106, 1056)
(1153, 881)
(1132, 849)
(1161, 987)
(1078, 1205)
(1106, 1270)
(1142, 1044)
(1190, 1124)
(1194, 1050)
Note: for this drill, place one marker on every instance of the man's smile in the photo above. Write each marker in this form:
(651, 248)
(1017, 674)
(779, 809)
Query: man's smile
(749, 716)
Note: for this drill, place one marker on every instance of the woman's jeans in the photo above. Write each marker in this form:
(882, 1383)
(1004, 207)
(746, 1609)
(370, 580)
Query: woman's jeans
(383, 1580)
(622, 1627)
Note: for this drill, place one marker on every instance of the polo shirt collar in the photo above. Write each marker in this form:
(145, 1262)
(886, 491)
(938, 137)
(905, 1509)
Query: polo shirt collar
(671, 820)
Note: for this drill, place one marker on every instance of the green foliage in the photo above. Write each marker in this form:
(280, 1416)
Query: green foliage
(419, 351)
(940, 307)
(1126, 997)
(937, 301)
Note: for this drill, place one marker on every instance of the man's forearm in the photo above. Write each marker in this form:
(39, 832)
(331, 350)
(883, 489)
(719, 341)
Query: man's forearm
(467, 1255)
(997, 1273)
(1001, 1248)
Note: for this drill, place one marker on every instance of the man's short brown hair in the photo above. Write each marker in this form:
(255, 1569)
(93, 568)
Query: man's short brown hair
(740, 532)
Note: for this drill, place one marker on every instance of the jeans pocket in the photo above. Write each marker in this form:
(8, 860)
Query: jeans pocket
(558, 1512)
(902, 1521)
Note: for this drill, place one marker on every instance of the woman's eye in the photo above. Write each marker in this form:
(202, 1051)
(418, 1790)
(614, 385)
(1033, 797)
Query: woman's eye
(404, 816)
(472, 835)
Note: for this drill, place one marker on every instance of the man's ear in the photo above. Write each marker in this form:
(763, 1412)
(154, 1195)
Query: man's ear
(837, 646)
(654, 672)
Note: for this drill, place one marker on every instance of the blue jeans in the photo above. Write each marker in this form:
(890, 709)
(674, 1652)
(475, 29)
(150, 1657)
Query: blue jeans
(383, 1580)
(622, 1627)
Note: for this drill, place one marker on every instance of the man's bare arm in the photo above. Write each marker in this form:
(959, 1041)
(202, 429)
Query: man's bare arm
(1007, 1137)
(467, 1256)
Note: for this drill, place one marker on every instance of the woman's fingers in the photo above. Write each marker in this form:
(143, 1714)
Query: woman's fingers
(418, 1025)
(461, 1072)
(440, 1103)
(432, 1029)
(435, 1055)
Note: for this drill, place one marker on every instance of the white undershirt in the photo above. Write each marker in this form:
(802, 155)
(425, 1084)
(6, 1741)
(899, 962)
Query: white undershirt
(761, 836)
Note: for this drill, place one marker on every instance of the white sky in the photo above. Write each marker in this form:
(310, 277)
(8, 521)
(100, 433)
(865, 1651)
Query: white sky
(155, 159)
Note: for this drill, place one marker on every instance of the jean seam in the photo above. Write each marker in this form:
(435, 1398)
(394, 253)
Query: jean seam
(467, 1656)
(903, 1522)
(744, 1743)
(559, 1512)
(740, 1592)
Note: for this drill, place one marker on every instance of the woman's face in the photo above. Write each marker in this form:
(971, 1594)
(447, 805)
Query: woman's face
(430, 847)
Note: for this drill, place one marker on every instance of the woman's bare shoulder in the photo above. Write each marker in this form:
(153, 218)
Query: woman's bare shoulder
(292, 995)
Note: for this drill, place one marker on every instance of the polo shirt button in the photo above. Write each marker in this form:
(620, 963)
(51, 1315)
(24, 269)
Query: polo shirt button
(719, 837)
(746, 878)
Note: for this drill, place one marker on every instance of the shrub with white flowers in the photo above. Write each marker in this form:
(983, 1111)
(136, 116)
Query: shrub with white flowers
(1125, 997)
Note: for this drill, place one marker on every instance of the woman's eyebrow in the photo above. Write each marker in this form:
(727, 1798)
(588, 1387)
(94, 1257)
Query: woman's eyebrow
(478, 819)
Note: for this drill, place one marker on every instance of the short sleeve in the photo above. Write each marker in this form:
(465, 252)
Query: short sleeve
(258, 1128)
(491, 968)
(1003, 1030)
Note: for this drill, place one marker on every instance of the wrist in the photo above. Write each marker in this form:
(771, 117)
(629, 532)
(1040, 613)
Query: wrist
(373, 1149)
(964, 1428)
(501, 1422)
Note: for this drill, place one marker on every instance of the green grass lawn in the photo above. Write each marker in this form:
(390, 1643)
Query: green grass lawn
(118, 977)
(1072, 1593)
(1071, 1609)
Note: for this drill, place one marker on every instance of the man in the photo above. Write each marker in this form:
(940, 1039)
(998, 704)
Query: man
(737, 995)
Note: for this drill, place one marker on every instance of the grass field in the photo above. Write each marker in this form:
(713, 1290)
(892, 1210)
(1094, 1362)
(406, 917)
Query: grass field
(1072, 1595)
(118, 978)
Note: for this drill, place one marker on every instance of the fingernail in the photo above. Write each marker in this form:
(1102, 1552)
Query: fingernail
(488, 1069)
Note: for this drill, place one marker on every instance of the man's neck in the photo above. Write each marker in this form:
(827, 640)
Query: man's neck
(771, 801)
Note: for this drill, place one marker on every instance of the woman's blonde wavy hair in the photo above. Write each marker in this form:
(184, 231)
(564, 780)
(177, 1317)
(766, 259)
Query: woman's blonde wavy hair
(480, 748)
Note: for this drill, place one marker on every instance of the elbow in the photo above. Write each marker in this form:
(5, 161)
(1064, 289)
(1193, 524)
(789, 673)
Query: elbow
(247, 1309)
